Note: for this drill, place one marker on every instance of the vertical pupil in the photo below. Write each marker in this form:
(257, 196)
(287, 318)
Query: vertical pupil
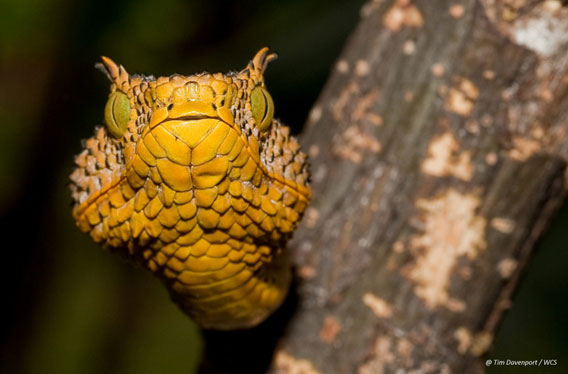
(117, 113)
(262, 107)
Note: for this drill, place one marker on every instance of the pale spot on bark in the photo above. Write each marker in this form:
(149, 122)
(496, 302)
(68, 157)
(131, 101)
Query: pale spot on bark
(362, 68)
(408, 96)
(404, 349)
(306, 272)
(315, 114)
(409, 47)
(314, 150)
(338, 106)
(381, 356)
(342, 66)
(306, 246)
(288, 364)
(464, 338)
(311, 217)
(486, 120)
(330, 329)
(363, 109)
(402, 14)
(320, 173)
(537, 133)
(379, 306)
(353, 142)
(472, 126)
(457, 10)
(523, 148)
(461, 98)
(438, 69)
(506, 267)
(444, 159)
(489, 74)
(504, 225)
(374, 118)
(546, 94)
(456, 305)
(491, 158)
(398, 246)
(452, 230)
(481, 343)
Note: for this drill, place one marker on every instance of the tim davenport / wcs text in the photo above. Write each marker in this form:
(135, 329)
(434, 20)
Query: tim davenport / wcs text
(540, 362)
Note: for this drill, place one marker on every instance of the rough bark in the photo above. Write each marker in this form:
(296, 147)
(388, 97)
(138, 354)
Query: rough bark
(438, 153)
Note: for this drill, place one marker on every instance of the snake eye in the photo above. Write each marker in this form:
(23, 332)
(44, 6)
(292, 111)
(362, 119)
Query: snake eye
(117, 113)
(262, 107)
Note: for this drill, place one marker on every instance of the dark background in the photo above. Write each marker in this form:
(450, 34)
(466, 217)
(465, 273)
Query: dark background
(71, 308)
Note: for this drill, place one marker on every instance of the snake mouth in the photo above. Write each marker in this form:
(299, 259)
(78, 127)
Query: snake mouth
(194, 117)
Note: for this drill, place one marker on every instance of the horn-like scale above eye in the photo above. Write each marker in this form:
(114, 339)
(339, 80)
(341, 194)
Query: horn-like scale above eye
(117, 113)
(262, 107)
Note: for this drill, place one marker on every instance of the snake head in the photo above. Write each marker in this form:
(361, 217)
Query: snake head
(188, 118)
(193, 178)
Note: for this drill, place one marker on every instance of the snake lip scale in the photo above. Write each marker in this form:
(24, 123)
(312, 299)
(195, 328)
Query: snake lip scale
(194, 179)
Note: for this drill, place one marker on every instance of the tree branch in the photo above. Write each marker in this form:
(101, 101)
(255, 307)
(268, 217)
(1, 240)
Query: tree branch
(438, 152)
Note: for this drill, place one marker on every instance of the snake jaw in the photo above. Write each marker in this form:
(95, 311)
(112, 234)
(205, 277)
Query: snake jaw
(196, 191)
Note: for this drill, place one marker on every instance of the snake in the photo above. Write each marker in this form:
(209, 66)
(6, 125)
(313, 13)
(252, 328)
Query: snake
(192, 178)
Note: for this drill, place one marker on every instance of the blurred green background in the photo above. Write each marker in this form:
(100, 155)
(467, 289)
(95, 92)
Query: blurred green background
(71, 308)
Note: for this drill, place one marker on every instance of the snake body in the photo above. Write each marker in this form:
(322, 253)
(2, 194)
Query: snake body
(193, 178)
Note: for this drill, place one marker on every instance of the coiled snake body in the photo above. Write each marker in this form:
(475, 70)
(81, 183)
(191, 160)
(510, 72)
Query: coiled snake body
(193, 178)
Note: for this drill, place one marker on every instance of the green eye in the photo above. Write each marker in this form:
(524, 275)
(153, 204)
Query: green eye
(262, 107)
(117, 113)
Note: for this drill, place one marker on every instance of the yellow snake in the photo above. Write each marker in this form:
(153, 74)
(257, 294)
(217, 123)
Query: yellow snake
(194, 179)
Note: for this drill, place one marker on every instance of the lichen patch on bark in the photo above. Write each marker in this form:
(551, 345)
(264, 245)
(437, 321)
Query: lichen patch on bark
(544, 30)
(438, 69)
(475, 344)
(353, 143)
(306, 272)
(338, 107)
(506, 267)
(363, 110)
(457, 10)
(461, 97)
(481, 343)
(402, 14)
(452, 229)
(464, 338)
(523, 148)
(342, 66)
(491, 158)
(380, 307)
(315, 114)
(489, 74)
(398, 246)
(362, 68)
(444, 159)
(504, 225)
(409, 47)
(541, 28)
(331, 327)
(311, 217)
(381, 356)
(285, 363)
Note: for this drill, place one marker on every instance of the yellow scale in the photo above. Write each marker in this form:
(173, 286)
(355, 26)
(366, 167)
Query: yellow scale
(193, 178)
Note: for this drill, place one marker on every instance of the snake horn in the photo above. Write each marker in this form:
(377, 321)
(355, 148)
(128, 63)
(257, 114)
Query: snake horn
(115, 73)
(256, 67)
